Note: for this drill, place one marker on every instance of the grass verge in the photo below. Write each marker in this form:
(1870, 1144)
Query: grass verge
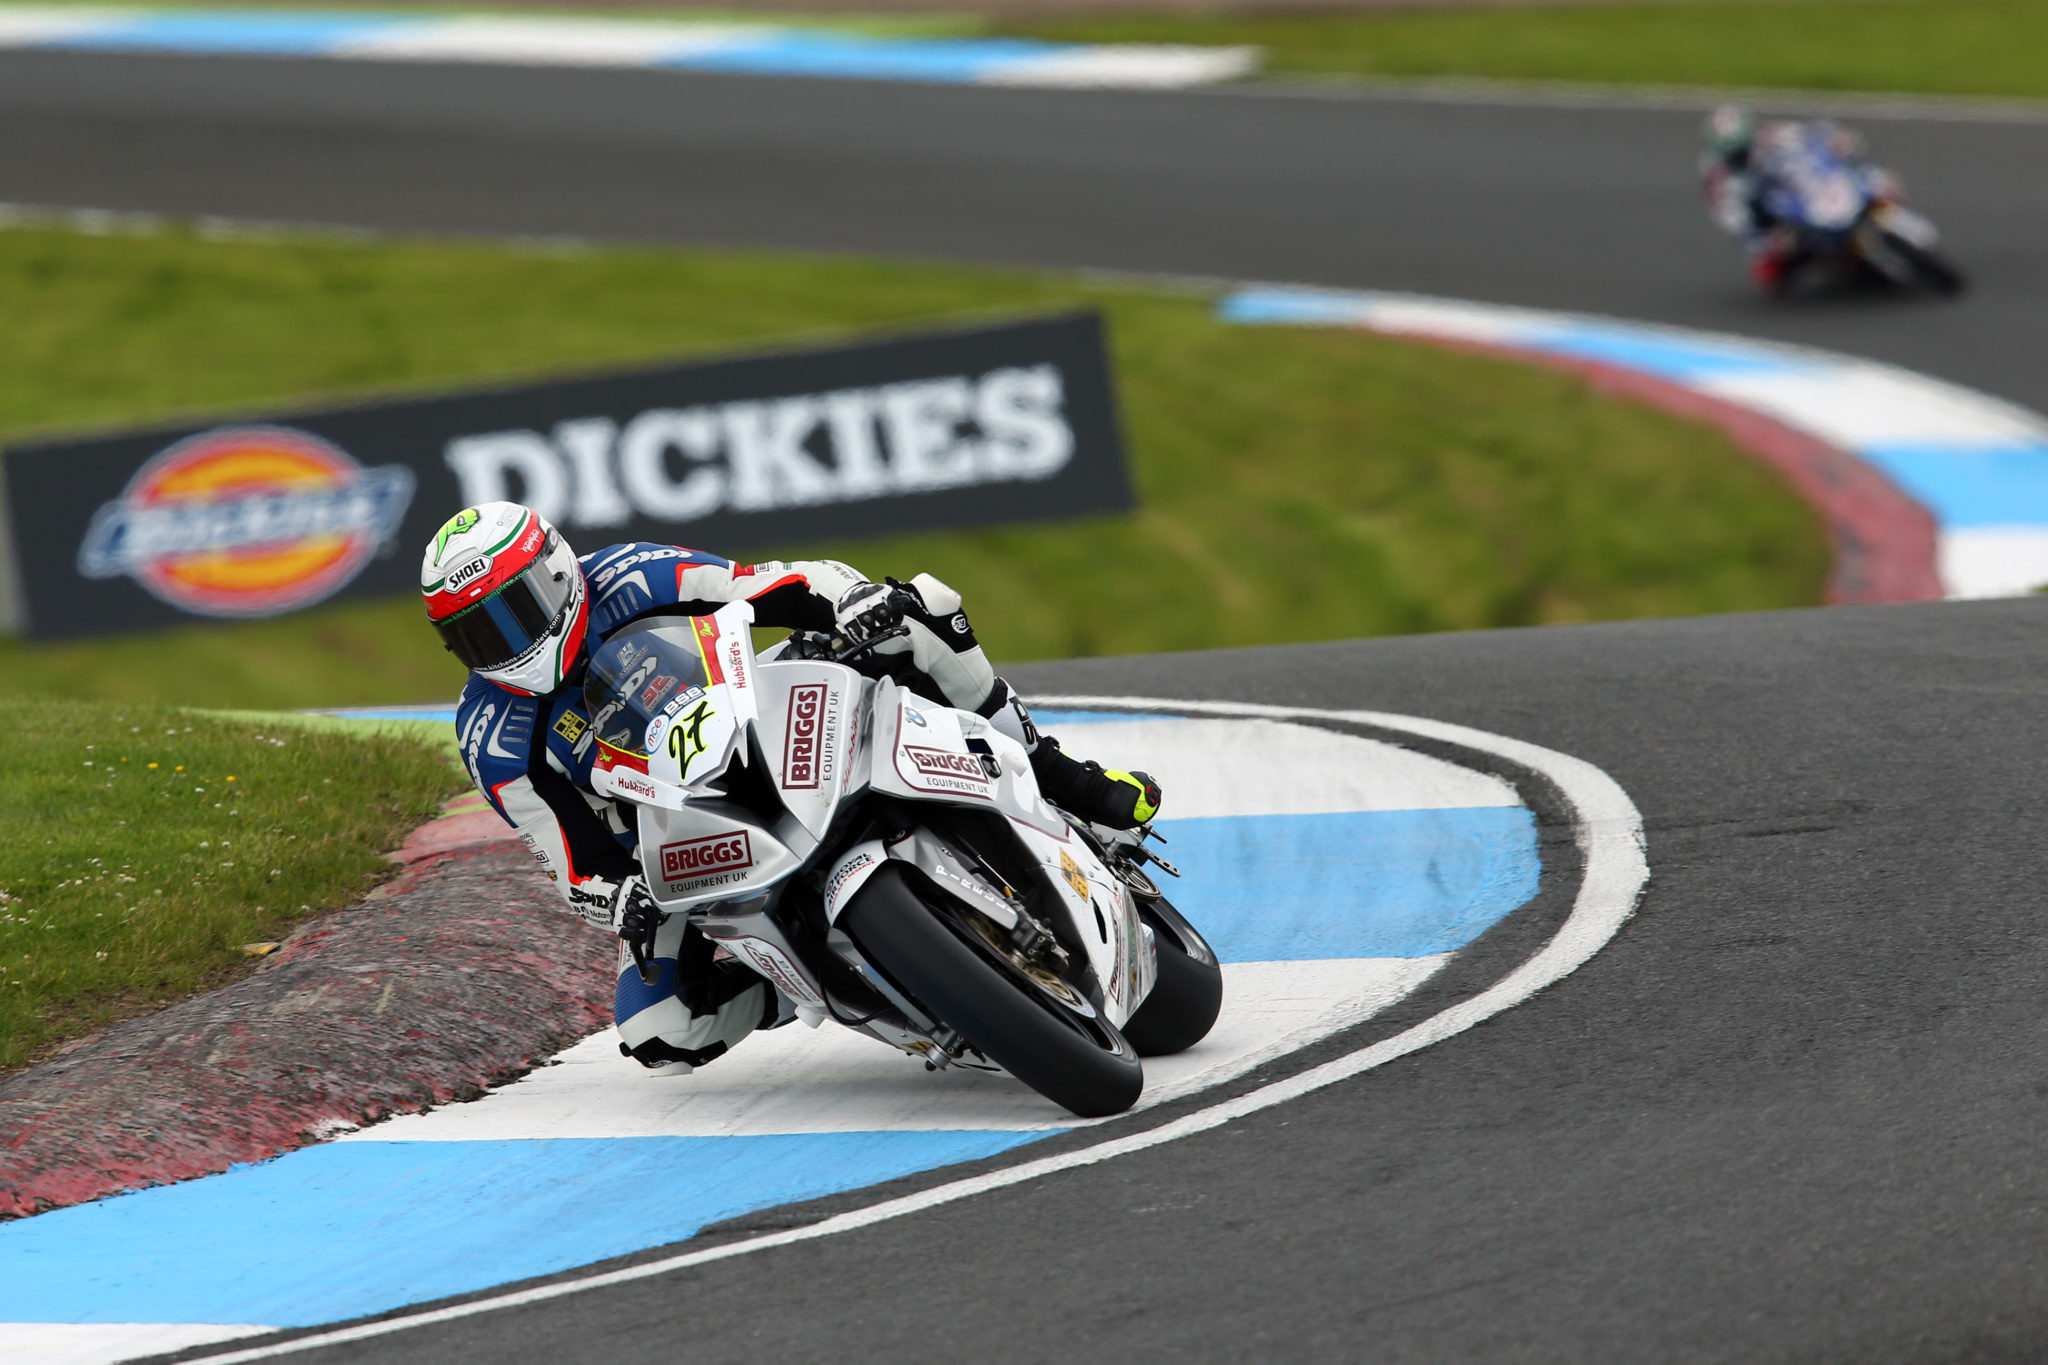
(146, 845)
(1947, 47)
(1294, 484)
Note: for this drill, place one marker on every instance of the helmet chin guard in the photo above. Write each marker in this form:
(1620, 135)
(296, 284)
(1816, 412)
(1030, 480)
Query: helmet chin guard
(507, 596)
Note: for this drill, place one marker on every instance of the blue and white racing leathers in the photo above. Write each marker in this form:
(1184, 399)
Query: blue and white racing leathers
(531, 758)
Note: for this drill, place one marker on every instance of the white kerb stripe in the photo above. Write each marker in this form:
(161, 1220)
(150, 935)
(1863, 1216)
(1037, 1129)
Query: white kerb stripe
(1260, 767)
(1857, 405)
(93, 1343)
(19, 27)
(833, 1080)
(1993, 561)
(1161, 66)
(1609, 832)
(541, 42)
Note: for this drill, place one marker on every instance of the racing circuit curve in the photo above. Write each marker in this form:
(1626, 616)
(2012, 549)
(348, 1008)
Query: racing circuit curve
(1339, 873)
(1790, 1112)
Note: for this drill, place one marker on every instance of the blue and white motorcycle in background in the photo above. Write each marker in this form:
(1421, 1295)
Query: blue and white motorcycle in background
(889, 864)
(1844, 213)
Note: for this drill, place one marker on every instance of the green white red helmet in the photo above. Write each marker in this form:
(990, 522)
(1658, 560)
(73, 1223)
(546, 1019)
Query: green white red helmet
(1729, 132)
(507, 596)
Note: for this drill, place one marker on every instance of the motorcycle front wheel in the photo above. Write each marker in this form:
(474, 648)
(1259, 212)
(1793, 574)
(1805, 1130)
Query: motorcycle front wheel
(1083, 1065)
(1929, 267)
(1188, 995)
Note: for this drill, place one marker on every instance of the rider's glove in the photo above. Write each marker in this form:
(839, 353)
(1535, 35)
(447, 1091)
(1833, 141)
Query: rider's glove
(867, 611)
(635, 916)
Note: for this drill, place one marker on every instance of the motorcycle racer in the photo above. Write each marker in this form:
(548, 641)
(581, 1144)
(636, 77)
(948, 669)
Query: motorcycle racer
(522, 612)
(1744, 160)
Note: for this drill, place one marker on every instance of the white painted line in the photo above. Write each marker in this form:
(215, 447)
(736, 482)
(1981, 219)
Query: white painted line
(1609, 832)
(834, 1080)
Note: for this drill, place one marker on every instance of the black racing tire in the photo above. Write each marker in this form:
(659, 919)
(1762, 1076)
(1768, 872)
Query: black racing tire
(1090, 1069)
(1188, 995)
(1931, 268)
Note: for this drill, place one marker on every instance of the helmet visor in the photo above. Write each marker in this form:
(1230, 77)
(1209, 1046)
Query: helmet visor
(511, 621)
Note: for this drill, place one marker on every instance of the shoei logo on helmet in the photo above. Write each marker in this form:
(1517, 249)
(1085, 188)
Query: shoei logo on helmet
(246, 521)
(464, 574)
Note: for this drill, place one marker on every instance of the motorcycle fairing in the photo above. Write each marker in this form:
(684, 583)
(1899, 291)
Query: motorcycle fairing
(922, 751)
(709, 850)
(823, 735)
(806, 725)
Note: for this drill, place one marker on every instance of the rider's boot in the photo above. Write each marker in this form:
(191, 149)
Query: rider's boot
(1117, 800)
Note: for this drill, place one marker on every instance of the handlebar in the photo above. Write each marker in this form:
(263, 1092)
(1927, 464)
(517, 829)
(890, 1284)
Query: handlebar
(864, 646)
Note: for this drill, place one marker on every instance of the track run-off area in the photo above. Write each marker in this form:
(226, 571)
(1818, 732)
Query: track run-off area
(1790, 1111)
(1336, 872)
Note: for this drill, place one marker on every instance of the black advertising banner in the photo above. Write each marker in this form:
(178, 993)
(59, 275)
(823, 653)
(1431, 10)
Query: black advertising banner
(256, 518)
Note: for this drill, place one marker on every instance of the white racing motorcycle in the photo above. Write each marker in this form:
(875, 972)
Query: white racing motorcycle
(889, 864)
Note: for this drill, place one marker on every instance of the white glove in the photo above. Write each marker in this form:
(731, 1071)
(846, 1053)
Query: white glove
(864, 612)
(633, 913)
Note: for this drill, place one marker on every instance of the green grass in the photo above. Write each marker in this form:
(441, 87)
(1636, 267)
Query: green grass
(1294, 484)
(146, 845)
(1954, 47)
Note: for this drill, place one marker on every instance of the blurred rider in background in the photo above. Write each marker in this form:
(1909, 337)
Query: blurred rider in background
(522, 612)
(1741, 162)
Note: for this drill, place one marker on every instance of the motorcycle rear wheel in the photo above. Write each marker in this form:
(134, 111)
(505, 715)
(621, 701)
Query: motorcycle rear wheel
(1082, 1065)
(1188, 995)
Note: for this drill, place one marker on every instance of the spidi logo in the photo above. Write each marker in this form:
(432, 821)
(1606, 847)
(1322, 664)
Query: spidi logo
(246, 521)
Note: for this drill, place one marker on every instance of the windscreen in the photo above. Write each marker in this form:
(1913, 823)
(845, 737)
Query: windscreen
(638, 674)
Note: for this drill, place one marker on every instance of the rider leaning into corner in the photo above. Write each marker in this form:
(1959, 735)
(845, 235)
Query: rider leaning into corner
(522, 612)
(1743, 159)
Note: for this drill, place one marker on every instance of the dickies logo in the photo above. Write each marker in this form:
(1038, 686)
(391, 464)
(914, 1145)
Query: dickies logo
(246, 521)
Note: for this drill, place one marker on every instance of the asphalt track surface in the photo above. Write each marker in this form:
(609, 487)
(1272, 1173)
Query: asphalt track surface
(1792, 1113)
(1588, 209)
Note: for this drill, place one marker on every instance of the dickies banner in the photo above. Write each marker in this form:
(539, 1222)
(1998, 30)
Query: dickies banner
(260, 517)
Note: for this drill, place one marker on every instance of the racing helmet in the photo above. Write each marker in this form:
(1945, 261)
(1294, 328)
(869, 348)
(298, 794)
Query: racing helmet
(1730, 132)
(507, 596)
